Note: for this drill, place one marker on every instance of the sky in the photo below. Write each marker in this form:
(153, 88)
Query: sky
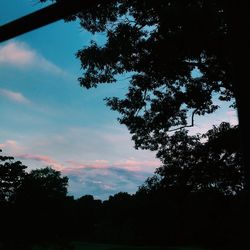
(47, 119)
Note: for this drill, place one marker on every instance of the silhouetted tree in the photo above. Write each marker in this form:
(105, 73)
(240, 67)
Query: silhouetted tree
(43, 204)
(162, 44)
(178, 55)
(45, 183)
(167, 209)
(88, 212)
(193, 165)
(12, 174)
(118, 224)
(199, 188)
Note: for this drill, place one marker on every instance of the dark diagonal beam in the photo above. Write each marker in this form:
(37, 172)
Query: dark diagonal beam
(45, 16)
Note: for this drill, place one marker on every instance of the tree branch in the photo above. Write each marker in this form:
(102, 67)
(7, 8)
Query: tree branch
(139, 109)
(186, 126)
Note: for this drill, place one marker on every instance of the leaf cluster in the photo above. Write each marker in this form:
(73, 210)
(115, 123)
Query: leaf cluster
(211, 162)
(177, 54)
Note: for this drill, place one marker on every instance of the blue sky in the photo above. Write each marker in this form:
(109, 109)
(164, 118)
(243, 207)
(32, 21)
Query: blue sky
(48, 119)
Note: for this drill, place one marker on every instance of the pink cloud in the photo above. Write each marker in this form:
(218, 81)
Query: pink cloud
(36, 157)
(44, 159)
(129, 165)
(134, 165)
(74, 167)
(107, 186)
(19, 54)
(97, 164)
(12, 147)
(16, 53)
(14, 96)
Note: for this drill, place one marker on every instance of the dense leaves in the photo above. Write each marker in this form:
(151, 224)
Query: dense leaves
(11, 176)
(176, 52)
(44, 183)
(35, 201)
(211, 162)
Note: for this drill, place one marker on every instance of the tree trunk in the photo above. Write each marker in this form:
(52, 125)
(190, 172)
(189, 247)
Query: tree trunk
(240, 44)
(240, 50)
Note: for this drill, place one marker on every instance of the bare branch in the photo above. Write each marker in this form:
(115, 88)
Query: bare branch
(186, 126)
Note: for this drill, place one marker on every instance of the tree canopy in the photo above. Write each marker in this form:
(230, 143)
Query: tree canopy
(177, 54)
(30, 200)
(43, 184)
(200, 163)
(17, 184)
(12, 174)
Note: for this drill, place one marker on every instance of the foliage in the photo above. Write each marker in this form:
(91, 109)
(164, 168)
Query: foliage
(212, 161)
(178, 56)
(45, 182)
(37, 200)
(11, 176)
(176, 52)
(205, 218)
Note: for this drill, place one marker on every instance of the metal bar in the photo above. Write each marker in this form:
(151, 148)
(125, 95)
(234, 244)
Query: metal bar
(45, 16)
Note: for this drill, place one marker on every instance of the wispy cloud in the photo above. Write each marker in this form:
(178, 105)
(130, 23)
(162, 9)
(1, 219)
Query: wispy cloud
(100, 178)
(136, 165)
(132, 165)
(14, 96)
(16, 53)
(19, 54)
(105, 182)
(98, 162)
(73, 167)
(12, 147)
(48, 161)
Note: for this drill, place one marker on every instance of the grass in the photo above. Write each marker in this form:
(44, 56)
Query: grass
(90, 246)
(86, 246)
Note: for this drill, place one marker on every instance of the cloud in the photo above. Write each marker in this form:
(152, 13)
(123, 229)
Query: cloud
(135, 165)
(12, 147)
(16, 53)
(100, 178)
(102, 143)
(105, 182)
(98, 161)
(42, 158)
(14, 96)
(132, 165)
(96, 164)
(19, 54)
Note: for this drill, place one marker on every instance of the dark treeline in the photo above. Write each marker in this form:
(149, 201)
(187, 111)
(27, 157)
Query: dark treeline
(194, 198)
